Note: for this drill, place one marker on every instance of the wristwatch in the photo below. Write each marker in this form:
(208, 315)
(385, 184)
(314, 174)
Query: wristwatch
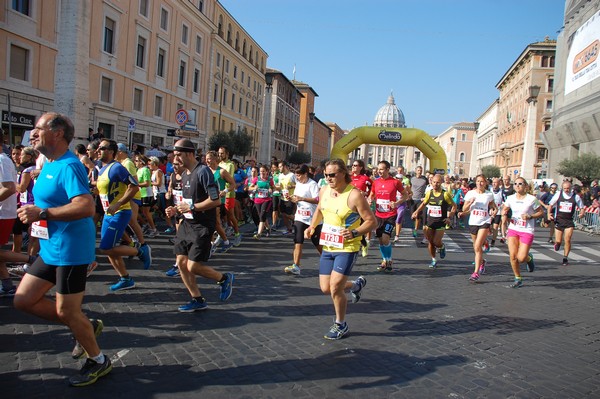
(354, 233)
(43, 214)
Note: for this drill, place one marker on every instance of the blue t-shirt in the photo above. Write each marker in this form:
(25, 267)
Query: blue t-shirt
(240, 177)
(73, 242)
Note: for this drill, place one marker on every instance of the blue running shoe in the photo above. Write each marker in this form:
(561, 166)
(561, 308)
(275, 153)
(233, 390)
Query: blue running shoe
(517, 284)
(173, 271)
(193, 306)
(124, 283)
(225, 247)
(146, 256)
(337, 331)
(530, 264)
(433, 264)
(443, 252)
(360, 283)
(170, 230)
(237, 240)
(226, 286)
(414, 233)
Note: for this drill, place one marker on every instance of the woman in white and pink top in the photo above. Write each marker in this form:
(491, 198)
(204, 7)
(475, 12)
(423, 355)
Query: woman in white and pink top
(480, 203)
(525, 208)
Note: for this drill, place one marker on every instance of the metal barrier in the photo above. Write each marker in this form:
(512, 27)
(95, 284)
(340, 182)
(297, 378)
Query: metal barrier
(590, 222)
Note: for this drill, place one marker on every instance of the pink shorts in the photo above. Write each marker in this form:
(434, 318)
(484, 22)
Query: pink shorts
(524, 238)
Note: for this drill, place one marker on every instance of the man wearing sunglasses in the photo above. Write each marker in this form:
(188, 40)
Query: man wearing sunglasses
(567, 202)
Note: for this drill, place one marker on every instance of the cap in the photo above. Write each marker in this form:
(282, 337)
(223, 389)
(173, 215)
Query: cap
(122, 147)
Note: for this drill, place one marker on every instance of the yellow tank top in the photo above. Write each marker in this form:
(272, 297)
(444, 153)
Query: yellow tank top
(336, 216)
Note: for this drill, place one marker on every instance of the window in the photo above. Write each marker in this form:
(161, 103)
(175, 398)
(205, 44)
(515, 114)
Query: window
(224, 97)
(138, 95)
(201, 5)
(461, 157)
(233, 101)
(141, 52)
(182, 66)
(164, 19)
(196, 84)
(160, 65)
(242, 80)
(463, 137)
(550, 85)
(184, 34)
(22, 6)
(19, 63)
(548, 105)
(158, 106)
(216, 93)
(218, 59)
(542, 154)
(106, 90)
(198, 44)
(240, 106)
(109, 35)
(144, 8)
(226, 66)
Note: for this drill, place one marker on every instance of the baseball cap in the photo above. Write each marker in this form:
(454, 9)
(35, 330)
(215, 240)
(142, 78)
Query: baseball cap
(122, 147)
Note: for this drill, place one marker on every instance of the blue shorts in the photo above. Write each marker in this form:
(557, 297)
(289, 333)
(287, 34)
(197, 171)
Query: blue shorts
(340, 262)
(113, 227)
(138, 202)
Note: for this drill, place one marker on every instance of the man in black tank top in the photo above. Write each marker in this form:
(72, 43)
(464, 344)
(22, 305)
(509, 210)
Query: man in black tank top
(567, 202)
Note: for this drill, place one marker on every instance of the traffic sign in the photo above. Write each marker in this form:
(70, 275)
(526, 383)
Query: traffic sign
(516, 171)
(181, 117)
(131, 126)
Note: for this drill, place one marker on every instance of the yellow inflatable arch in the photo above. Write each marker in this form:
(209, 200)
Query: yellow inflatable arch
(392, 136)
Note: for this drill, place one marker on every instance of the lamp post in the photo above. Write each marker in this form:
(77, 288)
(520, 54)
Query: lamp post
(529, 153)
(265, 141)
(311, 117)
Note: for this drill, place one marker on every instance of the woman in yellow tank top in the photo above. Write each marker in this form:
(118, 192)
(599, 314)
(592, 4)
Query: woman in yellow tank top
(341, 208)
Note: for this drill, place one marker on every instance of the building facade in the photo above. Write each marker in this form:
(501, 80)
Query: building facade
(128, 66)
(389, 115)
(576, 113)
(457, 142)
(525, 110)
(484, 144)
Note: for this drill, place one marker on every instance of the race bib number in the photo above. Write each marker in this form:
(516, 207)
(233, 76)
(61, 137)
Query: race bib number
(23, 197)
(480, 213)
(518, 222)
(39, 229)
(286, 194)
(104, 201)
(384, 205)
(177, 197)
(566, 207)
(303, 211)
(262, 193)
(435, 211)
(331, 236)
(188, 214)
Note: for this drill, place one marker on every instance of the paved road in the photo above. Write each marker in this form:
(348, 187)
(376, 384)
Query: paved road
(417, 333)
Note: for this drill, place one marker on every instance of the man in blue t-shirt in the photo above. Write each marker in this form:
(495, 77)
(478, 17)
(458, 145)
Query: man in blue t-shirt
(62, 219)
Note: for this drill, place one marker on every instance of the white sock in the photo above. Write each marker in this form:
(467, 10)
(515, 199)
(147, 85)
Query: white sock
(99, 359)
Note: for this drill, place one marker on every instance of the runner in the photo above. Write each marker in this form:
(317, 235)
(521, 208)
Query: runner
(62, 219)
(361, 181)
(480, 205)
(524, 208)
(341, 208)
(200, 197)
(287, 209)
(545, 201)
(499, 201)
(276, 195)
(175, 194)
(437, 201)
(418, 184)
(263, 188)
(116, 188)
(229, 207)
(226, 184)
(567, 202)
(306, 198)
(402, 207)
(384, 195)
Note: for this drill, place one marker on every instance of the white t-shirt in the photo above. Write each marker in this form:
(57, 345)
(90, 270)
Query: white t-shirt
(8, 173)
(527, 205)
(480, 214)
(305, 210)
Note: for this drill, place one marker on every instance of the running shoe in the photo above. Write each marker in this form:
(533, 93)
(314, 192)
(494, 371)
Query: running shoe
(518, 283)
(151, 233)
(360, 282)
(388, 267)
(382, 267)
(482, 267)
(193, 306)
(18, 270)
(170, 230)
(365, 250)
(424, 241)
(90, 372)
(256, 236)
(486, 246)
(173, 271)
(474, 277)
(414, 233)
(433, 264)
(557, 246)
(502, 240)
(218, 241)
(443, 252)
(229, 231)
(286, 232)
(124, 283)
(237, 240)
(397, 239)
(565, 262)
(550, 240)
(226, 247)
(78, 350)
(226, 286)
(91, 267)
(146, 255)
(493, 243)
(530, 264)
(337, 331)
(8, 292)
(292, 269)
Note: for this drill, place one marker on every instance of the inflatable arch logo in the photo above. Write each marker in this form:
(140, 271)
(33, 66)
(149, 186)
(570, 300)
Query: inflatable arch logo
(392, 136)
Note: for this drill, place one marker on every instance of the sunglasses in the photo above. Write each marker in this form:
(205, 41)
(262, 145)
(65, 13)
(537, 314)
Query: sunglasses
(330, 175)
(519, 184)
(103, 148)
(357, 165)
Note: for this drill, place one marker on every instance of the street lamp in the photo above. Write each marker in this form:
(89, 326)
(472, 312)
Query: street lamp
(311, 117)
(265, 141)
(534, 91)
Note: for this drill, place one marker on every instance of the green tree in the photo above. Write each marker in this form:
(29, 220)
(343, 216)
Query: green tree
(586, 167)
(299, 157)
(238, 143)
(490, 171)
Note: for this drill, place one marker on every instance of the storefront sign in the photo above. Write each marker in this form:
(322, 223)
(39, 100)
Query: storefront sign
(17, 119)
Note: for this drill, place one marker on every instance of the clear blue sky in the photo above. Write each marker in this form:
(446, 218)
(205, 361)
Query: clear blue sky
(441, 58)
